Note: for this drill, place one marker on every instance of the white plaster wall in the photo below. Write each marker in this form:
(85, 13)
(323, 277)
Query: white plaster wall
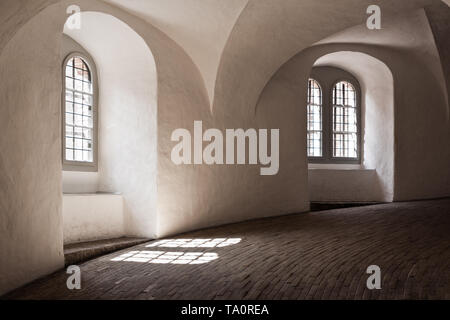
(344, 185)
(92, 217)
(31, 239)
(79, 182)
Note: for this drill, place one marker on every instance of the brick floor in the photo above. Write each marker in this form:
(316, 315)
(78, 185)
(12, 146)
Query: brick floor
(320, 255)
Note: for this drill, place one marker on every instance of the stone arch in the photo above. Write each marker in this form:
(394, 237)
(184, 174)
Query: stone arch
(127, 115)
(31, 161)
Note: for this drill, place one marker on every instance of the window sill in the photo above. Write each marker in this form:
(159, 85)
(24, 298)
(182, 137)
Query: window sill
(88, 167)
(336, 166)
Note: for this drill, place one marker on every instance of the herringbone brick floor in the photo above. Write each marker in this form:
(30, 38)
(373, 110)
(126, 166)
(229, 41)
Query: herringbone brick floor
(320, 255)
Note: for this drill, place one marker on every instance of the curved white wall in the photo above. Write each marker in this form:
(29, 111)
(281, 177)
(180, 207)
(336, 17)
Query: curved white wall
(266, 35)
(31, 239)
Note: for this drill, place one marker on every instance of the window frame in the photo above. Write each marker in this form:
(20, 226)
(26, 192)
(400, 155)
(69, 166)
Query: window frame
(327, 83)
(321, 118)
(70, 165)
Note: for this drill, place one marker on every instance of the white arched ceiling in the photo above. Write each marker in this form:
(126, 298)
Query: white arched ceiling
(377, 89)
(268, 33)
(127, 115)
(200, 27)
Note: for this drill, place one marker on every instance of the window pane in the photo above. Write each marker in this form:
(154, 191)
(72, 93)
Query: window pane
(69, 154)
(86, 75)
(69, 83)
(69, 95)
(78, 144)
(69, 131)
(87, 87)
(78, 155)
(78, 108)
(78, 120)
(78, 97)
(78, 62)
(87, 111)
(78, 85)
(69, 143)
(87, 133)
(87, 145)
(314, 119)
(87, 99)
(69, 118)
(78, 132)
(69, 107)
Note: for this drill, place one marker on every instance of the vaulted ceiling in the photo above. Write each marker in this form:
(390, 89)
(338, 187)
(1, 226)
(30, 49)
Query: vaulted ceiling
(200, 27)
(238, 44)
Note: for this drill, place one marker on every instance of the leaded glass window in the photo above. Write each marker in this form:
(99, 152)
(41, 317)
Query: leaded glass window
(345, 124)
(78, 112)
(315, 133)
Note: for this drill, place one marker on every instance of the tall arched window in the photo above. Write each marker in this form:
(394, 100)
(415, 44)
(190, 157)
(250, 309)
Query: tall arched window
(315, 134)
(345, 123)
(333, 114)
(79, 129)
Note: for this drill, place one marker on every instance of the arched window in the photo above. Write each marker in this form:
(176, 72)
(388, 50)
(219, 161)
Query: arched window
(345, 123)
(315, 134)
(333, 115)
(79, 118)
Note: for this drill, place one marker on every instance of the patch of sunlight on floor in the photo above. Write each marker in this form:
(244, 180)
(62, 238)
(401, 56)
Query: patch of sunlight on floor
(163, 257)
(195, 243)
